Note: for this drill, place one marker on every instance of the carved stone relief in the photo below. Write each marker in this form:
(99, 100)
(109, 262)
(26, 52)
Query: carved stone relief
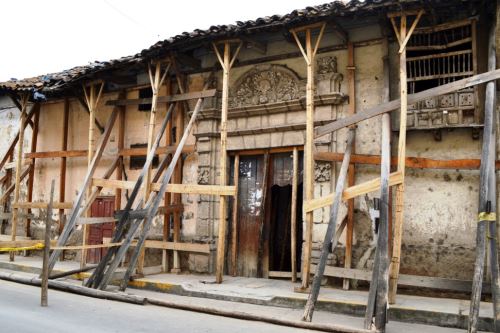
(322, 171)
(266, 84)
(327, 70)
(203, 175)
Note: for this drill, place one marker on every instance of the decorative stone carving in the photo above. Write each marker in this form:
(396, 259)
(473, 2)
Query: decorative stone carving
(203, 175)
(327, 70)
(266, 84)
(322, 172)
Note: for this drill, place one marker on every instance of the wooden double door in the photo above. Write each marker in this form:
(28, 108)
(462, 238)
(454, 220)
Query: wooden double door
(101, 207)
(263, 229)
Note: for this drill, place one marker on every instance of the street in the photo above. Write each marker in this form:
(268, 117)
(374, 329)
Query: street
(22, 313)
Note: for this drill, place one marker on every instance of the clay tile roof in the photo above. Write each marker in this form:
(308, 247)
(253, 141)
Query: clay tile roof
(56, 81)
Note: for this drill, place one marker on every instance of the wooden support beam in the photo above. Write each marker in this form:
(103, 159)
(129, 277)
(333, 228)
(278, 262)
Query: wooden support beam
(92, 98)
(234, 226)
(86, 108)
(351, 177)
(411, 98)
(95, 220)
(411, 162)
(10, 189)
(20, 147)
(57, 154)
(487, 221)
(177, 246)
(42, 205)
(327, 246)
(46, 248)
(164, 99)
(309, 53)
(161, 150)
(395, 178)
(68, 228)
(120, 168)
(31, 176)
(62, 165)
(226, 62)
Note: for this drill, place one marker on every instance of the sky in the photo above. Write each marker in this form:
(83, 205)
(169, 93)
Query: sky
(40, 37)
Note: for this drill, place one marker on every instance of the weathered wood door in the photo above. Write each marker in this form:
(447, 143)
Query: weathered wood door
(250, 208)
(102, 207)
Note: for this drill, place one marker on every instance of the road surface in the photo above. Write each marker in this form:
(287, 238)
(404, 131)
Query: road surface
(21, 313)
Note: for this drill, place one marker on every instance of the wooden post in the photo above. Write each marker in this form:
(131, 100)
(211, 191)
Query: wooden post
(120, 146)
(309, 54)
(487, 203)
(19, 166)
(351, 70)
(226, 61)
(330, 231)
(156, 81)
(168, 198)
(62, 167)
(398, 223)
(46, 248)
(31, 176)
(234, 227)
(293, 213)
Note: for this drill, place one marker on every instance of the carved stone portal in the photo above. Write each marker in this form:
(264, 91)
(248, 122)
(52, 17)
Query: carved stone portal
(266, 84)
(327, 70)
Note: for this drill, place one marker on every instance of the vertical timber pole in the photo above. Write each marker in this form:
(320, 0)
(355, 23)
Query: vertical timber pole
(309, 54)
(62, 167)
(31, 176)
(156, 82)
(92, 99)
(486, 227)
(403, 36)
(46, 249)
(19, 166)
(351, 69)
(226, 62)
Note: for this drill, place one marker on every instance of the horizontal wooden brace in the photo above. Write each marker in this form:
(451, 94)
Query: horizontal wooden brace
(23, 243)
(176, 246)
(57, 153)
(395, 178)
(411, 162)
(404, 279)
(85, 247)
(164, 99)
(95, 220)
(173, 188)
(42, 205)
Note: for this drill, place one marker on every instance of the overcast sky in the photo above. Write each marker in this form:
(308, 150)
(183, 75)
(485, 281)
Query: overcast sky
(40, 37)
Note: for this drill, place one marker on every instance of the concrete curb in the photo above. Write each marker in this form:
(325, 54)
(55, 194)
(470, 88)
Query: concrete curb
(397, 313)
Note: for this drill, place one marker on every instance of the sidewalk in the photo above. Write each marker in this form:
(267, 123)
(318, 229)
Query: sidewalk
(279, 294)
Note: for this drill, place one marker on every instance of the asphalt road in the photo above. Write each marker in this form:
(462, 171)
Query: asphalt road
(20, 312)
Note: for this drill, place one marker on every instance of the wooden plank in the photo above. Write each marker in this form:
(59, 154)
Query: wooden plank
(57, 154)
(22, 243)
(31, 175)
(46, 249)
(330, 231)
(411, 162)
(42, 205)
(234, 225)
(412, 98)
(63, 164)
(178, 246)
(400, 188)
(351, 70)
(487, 222)
(404, 279)
(95, 220)
(165, 99)
(351, 192)
(120, 146)
(19, 161)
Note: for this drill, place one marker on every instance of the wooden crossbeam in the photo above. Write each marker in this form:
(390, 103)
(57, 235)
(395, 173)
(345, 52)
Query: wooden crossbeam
(177, 246)
(351, 192)
(164, 99)
(411, 162)
(412, 98)
(57, 154)
(42, 205)
(161, 150)
(95, 220)
(172, 188)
